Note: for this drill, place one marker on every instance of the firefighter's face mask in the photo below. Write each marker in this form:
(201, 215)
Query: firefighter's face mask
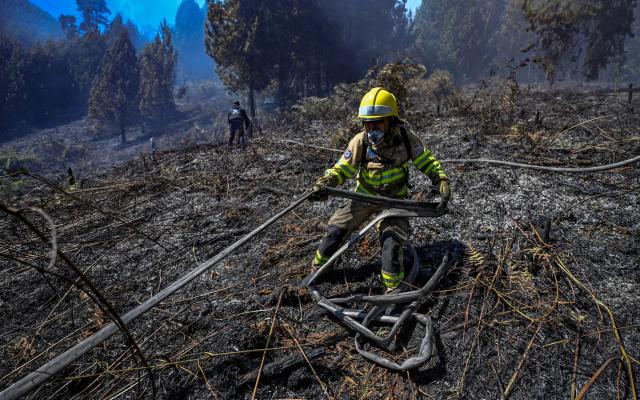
(375, 131)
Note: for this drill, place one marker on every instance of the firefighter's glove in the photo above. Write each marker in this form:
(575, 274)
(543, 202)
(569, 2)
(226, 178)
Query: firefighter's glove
(425, 195)
(445, 193)
(317, 192)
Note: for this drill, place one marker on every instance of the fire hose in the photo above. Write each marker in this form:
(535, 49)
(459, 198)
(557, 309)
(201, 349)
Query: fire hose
(58, 363)
(381, 304)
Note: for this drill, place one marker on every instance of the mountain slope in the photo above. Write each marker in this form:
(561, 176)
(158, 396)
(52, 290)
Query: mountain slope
(27, 23)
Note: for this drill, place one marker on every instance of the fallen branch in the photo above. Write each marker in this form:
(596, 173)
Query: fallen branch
(523, 359)
(43, 373)
(624, 356)
(594, 377)
(100, 300)
(264, 355)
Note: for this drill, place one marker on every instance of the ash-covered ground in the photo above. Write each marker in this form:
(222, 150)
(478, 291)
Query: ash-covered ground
(543, 291)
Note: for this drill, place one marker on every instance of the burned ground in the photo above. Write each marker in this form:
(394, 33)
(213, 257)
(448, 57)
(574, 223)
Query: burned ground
(543, 291)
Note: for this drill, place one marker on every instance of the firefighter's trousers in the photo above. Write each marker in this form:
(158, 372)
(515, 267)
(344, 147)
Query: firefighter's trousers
(393, 234)
(236, 126)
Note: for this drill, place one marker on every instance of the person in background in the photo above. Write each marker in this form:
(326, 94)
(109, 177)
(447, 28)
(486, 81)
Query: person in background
(238, 120)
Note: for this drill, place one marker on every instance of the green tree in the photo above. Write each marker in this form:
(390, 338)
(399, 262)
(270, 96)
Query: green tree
(36, 83)
(590, 33)
(50, 90)
(113, 30)
(135, 36)
(157, 79)
(116, 25)
(68, 25)
(114, 95)
(239, 41)
(459, 36)
(193, 62)
(85, 56)
(631, 67)
(17, 79)
(302, 47)
(362, 34)
(6, 51)
(94, 14)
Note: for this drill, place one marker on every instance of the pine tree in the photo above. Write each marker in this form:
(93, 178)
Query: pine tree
(363, 33)
(136, 38)
(115, 27)
(85, 57)
(157, 80)
(238, 39)
(591, 32)
(50, 89)
(193, 62)
(114, 95)
(6, 50)
(459, 36)
(302, 46)
(631, 67)
(94, 14)
(16, 93)
(68, 25)
(189, 21)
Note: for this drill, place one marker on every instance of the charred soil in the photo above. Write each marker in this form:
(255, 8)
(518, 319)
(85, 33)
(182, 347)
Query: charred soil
(543, 290)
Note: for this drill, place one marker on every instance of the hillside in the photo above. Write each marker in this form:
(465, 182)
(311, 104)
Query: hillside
(543, 290)
(27, 23)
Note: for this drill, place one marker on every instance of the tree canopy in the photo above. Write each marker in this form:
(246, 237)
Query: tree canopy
(302, 47)
(94, 14)
(157, 79)
(114, 95)
(592, 32)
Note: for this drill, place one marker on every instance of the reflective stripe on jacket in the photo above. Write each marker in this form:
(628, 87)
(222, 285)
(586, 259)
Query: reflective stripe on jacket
(384, 172)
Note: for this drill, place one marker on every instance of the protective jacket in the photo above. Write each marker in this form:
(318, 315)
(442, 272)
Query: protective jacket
(384, 171)
(237, 115)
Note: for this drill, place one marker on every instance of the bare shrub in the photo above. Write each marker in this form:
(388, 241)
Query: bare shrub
(338, 112)
(494, 105)
(399, 79)
(440, 89)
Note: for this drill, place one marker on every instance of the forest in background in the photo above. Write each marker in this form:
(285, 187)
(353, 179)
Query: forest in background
(540, 298)
(291, 49)
(49, 82)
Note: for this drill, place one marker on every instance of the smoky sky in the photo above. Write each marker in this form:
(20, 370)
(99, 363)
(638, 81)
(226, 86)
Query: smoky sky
(147, 14)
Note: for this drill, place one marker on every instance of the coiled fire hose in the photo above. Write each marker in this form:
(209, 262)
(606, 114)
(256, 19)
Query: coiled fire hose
(382, 304)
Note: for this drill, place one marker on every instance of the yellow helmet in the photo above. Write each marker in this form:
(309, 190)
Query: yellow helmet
(377, 104)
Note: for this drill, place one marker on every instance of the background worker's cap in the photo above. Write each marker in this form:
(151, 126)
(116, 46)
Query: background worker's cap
(377, 104)
(236, 103)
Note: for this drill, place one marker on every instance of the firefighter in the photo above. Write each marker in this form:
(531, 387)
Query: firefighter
(238, 120)
(378, 158)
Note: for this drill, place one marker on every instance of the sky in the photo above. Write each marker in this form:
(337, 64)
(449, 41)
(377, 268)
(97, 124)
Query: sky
(147, 14)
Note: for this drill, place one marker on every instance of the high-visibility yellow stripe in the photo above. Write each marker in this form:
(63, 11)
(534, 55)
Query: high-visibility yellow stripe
(421, 157)
(319, 259)
(391, 280)
(350, 167)
(430, 168)
(425, 159)
(362, 189)
(381, 181)
(402, 192)
(345, 168)
(386, 177)
(384, 174)
(332, 171)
